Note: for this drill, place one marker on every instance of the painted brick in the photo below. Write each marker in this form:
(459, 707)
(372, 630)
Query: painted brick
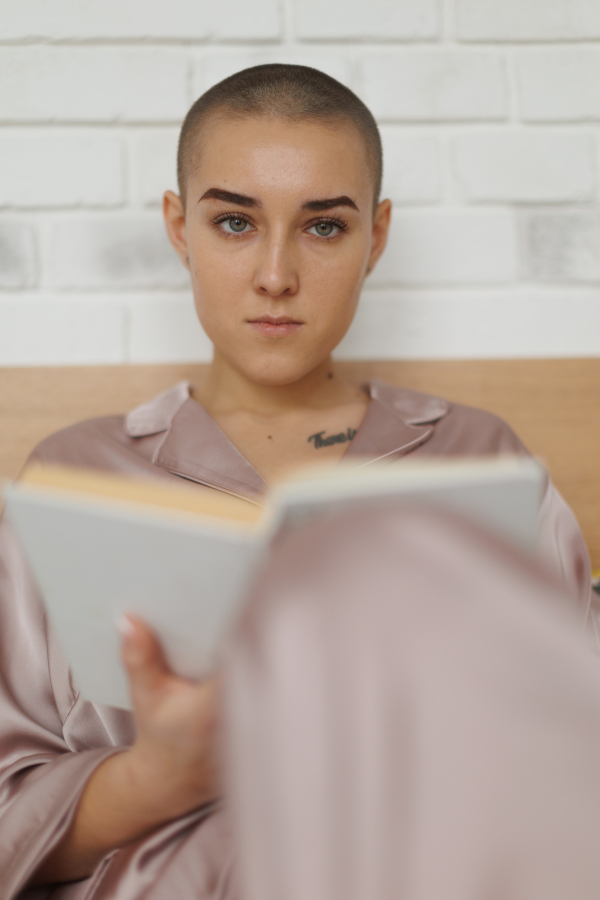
(559, 84)
(111, 289)
(210, 69)
(166, 329)
(380, 20)
(535, 20)
(411, 167)
(130, 251)
(448, 247)
(60, 169)
(154, 165)
(562, 246)
(53, 330)
(139, 19)
(525, 166)
(528, 322)
(18, 257)
(428, 85)
(86, 84)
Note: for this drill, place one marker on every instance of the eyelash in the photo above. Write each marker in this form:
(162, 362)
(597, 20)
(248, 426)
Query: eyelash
(224, 217)
(330, 220)
(326, 220)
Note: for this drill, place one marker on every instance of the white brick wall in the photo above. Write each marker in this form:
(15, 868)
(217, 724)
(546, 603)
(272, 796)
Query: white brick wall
(474, 323)
(431, 85)
(140, 19)
(525, 166)
(108, 251)
(490, 115)
(413, 170)
(562, 246)
(92, 84)
(528, 20)
(18, 254)
(385, 20)
(57, 329)
(449, 247)
(60, 168)
(153, 165)
(559, 85)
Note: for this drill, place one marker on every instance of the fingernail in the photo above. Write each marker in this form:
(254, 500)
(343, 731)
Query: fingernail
(125, 626)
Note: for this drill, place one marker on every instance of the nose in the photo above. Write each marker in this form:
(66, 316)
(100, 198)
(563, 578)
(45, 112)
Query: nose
(276, 273)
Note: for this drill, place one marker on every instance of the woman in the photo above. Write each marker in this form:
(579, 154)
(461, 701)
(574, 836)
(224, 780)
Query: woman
(279, 222)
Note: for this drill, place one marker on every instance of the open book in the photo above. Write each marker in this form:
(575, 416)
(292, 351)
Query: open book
(183, 557)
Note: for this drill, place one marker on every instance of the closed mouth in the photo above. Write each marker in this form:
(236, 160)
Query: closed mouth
(274, 320)
(275, 326)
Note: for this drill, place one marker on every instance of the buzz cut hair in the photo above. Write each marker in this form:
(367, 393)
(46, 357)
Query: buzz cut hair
(280, 91)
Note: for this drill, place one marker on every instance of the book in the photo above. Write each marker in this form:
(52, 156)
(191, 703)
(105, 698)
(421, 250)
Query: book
(183, 557)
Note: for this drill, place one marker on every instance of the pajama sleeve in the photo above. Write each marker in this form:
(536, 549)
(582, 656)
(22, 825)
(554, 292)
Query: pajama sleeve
(50, 740)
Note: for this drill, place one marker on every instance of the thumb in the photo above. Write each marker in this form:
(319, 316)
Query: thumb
(142, 655)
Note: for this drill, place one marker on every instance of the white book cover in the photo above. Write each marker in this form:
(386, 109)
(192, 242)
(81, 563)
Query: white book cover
(186, 575)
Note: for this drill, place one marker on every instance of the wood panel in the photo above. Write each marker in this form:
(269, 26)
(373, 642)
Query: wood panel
(554, 405)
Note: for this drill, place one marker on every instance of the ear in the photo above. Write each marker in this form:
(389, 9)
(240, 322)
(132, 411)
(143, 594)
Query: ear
(175, 224)
(381, 224)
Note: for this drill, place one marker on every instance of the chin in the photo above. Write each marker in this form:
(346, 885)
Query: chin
(276, 372)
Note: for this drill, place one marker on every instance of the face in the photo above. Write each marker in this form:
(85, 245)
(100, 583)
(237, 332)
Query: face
(279, 232)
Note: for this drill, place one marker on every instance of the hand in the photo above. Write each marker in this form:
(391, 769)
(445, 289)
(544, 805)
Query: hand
(176, 724)
(171, 769)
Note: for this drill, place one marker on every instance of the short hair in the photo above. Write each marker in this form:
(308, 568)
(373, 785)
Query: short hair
(278, 90)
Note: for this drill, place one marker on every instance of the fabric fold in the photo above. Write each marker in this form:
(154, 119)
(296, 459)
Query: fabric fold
(47, 799)
(413, 712)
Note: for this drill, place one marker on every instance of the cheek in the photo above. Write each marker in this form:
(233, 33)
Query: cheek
(335, 290)
(219, 287)
(338, 266)
(341, 315)
(218, 272)
(217, 312)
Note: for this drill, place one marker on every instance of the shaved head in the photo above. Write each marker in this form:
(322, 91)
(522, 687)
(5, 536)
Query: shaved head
(292, 93)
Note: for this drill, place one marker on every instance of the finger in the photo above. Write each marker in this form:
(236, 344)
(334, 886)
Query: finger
(142, 655)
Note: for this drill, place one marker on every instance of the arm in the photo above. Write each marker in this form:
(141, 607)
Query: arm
(170, 770)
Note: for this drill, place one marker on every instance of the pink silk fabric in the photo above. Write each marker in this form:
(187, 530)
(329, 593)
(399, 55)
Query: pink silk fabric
(413, 714)
(52, 738)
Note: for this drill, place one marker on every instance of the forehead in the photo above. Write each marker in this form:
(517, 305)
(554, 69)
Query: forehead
(271, 155)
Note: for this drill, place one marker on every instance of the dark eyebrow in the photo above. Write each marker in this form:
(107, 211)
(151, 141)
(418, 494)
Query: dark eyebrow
(320, 205)
(229, 197)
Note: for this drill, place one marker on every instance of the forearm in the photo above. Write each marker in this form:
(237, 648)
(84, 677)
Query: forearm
(124, 799)
(172, 768)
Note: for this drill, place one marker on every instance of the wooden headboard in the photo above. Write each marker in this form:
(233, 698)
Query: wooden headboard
(553, 404)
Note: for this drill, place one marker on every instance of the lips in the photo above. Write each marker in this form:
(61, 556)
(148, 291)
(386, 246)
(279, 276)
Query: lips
(275, 326)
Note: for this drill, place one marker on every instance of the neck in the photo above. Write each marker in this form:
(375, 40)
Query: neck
(226, 390)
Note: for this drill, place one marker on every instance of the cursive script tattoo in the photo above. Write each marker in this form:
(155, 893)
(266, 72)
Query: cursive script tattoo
(342, 438)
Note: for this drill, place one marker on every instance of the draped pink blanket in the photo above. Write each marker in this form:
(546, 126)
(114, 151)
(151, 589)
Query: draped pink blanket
(414, 714)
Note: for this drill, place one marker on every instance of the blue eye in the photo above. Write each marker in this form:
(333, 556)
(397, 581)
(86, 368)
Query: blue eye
(325, 229)
(235, 223)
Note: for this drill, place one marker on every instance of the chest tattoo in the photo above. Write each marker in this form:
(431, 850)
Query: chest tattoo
(342, 438)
